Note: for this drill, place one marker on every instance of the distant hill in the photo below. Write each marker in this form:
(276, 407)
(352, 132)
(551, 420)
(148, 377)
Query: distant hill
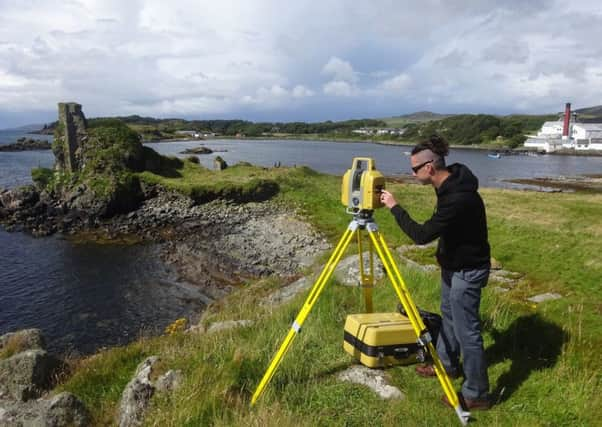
(597, 110)
(417, 117)
(590, 114)
(26, 128)
(152, 129)
(422, 116)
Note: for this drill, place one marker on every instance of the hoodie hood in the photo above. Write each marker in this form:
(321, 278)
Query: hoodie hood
(461, 179)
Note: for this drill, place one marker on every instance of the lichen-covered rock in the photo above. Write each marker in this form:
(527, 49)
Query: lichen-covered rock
(65, 409)
(26, 339)
(374, 379)
(348, 269)
(137, 394)
(62, 410)
(169, 381)
(19, 198)
(288, 292)
(27, 374)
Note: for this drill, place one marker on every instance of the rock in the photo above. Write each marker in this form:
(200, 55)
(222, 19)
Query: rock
(27, 374)
(348, 269)
(219, 163)
(26, 339)
(65, 409)
(19, 198)
(372, 378)
(61, 410)
(495, 264)
(544, 297)
(137, 394)
(197, 150)
(228, 324)
(288, 292)
(170, 381)
(26, 144)
(427, 267)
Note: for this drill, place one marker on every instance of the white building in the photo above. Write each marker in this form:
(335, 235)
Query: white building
(581, 136)
(587, 131)
(379, 131)
(551, 129)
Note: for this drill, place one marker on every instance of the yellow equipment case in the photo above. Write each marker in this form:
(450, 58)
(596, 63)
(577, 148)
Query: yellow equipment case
(378, 340)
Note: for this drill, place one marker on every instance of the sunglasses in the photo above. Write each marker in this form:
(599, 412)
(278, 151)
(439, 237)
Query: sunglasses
(415, 169)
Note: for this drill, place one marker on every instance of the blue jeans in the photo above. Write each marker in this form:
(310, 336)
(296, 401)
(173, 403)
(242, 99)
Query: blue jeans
(461, 329)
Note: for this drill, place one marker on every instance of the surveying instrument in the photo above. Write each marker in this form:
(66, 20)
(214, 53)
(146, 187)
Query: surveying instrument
(361, 189)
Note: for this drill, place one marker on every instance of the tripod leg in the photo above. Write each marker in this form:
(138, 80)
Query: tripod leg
(309, 303)
(366, 280)
(417, 323)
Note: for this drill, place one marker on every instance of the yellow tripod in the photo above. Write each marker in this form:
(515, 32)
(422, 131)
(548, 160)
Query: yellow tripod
(364, 221)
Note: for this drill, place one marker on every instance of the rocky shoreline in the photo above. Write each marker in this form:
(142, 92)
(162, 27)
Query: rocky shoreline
(27, 144)
(585, 183)
(215, 246)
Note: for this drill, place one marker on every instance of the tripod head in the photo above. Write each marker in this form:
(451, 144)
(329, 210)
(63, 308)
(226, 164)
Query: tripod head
(363, 217)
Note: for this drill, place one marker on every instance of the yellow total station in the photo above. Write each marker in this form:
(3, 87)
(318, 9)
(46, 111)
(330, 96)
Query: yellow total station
(362, 185)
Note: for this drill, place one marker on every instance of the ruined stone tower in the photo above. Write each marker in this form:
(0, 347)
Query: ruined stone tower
(70, 137)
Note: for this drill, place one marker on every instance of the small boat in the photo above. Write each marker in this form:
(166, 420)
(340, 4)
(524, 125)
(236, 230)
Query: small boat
(494, 155)
(406, 153)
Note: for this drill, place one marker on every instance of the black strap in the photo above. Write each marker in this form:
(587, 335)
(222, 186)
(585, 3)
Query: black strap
(399, 351)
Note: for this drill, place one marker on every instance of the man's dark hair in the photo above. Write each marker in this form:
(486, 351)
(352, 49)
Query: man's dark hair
(438, 146)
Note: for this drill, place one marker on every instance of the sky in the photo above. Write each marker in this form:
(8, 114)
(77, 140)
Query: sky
(269, 60)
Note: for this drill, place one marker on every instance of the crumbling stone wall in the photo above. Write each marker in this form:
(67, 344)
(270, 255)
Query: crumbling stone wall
(70, 137)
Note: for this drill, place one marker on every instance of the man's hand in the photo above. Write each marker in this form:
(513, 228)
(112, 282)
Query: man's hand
(387, 198)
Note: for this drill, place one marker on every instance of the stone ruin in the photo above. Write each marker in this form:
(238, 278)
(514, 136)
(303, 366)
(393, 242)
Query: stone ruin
(71, 136)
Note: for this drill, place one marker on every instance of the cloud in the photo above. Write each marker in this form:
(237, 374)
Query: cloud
(339, 88)
(340, 70)
(399, 83)
(273, 60)
(506, 51)
(301, 91)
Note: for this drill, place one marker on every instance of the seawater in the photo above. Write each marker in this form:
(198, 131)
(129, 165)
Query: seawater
(335, 158)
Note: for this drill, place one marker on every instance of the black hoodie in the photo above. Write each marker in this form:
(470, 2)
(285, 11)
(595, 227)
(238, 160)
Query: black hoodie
(459, 221)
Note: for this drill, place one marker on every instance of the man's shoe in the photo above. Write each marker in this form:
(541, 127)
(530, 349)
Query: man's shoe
(428, 371)
(469, 404)
(476, 404)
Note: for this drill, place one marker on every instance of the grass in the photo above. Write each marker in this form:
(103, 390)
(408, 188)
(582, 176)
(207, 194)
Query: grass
(241, 183)
(14, 344)
(544, 363)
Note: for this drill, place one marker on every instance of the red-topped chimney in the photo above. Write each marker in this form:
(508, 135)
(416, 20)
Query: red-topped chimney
(567, 119)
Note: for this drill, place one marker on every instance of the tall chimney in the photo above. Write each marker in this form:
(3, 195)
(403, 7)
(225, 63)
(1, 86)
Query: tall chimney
(567, 119)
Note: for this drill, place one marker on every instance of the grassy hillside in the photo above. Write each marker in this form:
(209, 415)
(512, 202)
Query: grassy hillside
(544, 358)
(590, 114)
(478, 129)
(418, 117)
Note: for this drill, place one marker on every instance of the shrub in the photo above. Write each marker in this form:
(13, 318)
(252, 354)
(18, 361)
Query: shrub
(41, 177)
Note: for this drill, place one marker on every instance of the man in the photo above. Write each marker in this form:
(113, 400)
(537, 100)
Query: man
(464, 256)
